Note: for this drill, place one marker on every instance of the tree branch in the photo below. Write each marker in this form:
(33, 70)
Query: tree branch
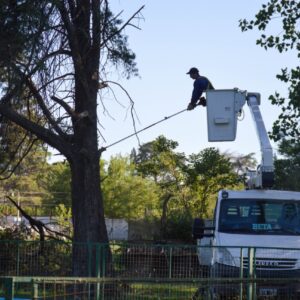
(132, 106)
(65, 105)
(74, 45)
(20, 160)
(44, 108)
(122, 27)
(36, 225)
(42, 133)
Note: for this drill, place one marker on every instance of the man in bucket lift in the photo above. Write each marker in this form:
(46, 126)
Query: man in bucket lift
(201, 84)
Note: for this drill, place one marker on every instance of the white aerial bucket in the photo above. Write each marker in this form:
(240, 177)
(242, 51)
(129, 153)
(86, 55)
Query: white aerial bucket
(223, 107)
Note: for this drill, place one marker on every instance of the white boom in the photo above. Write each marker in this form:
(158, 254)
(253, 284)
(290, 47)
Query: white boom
(223, 108)
(264, 175)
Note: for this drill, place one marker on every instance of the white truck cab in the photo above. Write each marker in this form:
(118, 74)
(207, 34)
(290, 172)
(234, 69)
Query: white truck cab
(253, 218)
(257, 227)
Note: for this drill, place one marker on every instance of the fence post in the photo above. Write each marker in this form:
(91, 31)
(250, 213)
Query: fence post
(254, 273)
(241, 273)
(35, 290)
(89, 248)
(9, 288)
(170, 262)
(103, 264)
(251, 287)
(98, 275)
(18, 258)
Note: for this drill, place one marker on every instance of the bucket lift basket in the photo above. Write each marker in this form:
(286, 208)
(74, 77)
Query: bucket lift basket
(223, 107)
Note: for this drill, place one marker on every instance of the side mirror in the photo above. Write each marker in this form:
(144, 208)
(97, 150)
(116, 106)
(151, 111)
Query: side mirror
(199, 228)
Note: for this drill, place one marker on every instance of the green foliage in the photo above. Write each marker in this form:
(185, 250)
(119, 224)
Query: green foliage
(26, 183)
(9, 136)
(37, 185)
(49, 257)
(57, 183)
(241, 162)
(7, 210)
(189, 184)
(209, 163)
(179, 226)
(16, 233)
(287, 169)
(23, 26)
(127, 194)
(117, 50)
(287, 12)
(209, 171)
(63, 216)
(158, 160)
(15, 144)
(155, 182)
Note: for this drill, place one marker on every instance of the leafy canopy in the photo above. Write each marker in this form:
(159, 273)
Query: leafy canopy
(286, 15)
(126, 193)
(287, 167)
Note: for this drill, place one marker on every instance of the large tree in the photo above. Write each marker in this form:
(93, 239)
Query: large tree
(159, 161)
(54, 57)
(286, 14)
(126, 193)
(210, 171)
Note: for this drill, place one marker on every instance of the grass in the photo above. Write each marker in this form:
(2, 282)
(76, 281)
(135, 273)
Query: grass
(160, 291)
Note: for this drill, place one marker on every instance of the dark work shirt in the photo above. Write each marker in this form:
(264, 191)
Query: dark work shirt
(201, 84)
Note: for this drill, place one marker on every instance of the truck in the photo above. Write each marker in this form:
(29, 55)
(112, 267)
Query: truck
(255, 232)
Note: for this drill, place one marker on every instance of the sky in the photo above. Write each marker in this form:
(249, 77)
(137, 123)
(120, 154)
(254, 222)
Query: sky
(173, 37)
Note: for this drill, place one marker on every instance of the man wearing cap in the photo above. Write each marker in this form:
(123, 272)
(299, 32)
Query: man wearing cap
(201, 84)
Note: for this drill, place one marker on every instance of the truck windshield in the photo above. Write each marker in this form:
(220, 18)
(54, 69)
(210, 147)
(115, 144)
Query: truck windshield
(260, 217)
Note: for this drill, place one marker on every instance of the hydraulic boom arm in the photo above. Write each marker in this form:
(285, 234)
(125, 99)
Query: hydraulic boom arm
(223, 108)
(263, 177)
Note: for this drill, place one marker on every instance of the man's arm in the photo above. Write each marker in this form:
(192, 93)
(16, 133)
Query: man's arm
(197, 92)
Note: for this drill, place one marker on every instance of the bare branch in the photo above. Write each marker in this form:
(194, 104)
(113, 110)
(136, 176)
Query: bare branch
(74, 45)
(132, 112)
(122, 27)
(116, 98)
(129, 97)
(57, 78)
(13, 155)
(36, 225)
(42, 133)
(65, 105)
(44, 108)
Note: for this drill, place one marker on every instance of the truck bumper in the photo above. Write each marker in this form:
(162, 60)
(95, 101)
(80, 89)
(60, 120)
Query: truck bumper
(279, 284)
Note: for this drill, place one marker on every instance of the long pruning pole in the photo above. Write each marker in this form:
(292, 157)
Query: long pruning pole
(143, 129)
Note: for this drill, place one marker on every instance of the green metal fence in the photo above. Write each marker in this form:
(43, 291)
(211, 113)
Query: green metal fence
(34, 270)
(134, 288)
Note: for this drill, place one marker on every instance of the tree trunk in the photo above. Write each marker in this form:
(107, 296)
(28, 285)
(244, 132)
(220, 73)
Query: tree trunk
(87, 202)
(88, 217)
(163, 220)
